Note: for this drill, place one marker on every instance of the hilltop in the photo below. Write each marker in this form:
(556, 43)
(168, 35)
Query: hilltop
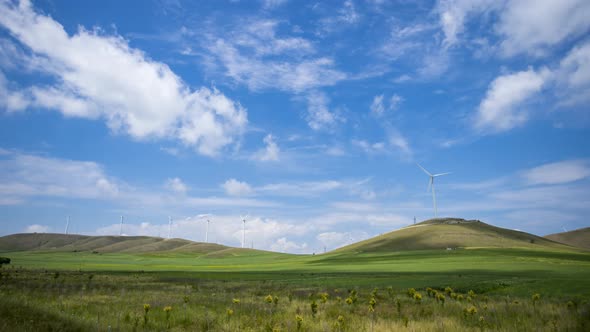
(451, 233)
(577, 238)
(106, 244)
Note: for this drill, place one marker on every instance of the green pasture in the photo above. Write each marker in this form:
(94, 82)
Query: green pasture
(520, 271)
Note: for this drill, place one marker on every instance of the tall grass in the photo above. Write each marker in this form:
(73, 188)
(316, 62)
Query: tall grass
(73, 301)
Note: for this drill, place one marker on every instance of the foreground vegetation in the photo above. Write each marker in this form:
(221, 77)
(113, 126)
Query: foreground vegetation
(75, 283)
(39, 300)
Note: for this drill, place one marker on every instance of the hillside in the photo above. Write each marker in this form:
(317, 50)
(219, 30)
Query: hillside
(103, 244)
(451, 233)
(578, 238)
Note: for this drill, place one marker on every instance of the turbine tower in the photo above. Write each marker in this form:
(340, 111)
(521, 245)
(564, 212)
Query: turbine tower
(207, 231)
(169, 225)
(431, 185)
(243, 230)
(67, 224)
(201, 216)
(121, 227)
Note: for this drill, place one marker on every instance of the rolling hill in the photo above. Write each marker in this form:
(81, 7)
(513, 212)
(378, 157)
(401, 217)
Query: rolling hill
(451, 233)
(576, 238)
(105, 244)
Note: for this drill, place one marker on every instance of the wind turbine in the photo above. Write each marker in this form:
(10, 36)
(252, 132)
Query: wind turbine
(67, 224)
(431, 185)
(121, 227)
(208, 215)
(169, 225)
(243, 218)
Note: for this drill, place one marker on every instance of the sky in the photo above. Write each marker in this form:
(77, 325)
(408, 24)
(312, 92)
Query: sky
(308, 117)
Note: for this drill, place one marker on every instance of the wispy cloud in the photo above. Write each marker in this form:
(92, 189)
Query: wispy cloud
(558, 173)
(258, 58)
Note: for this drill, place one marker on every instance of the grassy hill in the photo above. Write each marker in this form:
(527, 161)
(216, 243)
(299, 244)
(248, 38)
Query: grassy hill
(578, 238)
(453, 233)
(103, 244)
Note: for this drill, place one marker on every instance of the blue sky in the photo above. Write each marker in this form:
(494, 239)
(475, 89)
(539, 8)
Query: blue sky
(309, 117)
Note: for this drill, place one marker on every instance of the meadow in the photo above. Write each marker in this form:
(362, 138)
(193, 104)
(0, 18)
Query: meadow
(424, 290)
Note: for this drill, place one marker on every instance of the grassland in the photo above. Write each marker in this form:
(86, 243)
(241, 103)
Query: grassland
(577, 238)
(537, 285)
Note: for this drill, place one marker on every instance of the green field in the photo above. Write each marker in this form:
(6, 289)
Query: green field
(536, 285)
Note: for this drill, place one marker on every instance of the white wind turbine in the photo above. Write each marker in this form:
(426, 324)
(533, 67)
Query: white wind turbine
(243, 218)
(208, 216)
(67, 224)
(121, 227)
(431, 185)
(169, 226)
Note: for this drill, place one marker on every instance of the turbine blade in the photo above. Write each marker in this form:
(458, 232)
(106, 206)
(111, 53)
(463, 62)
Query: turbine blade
(425, 171)
(430, 183)
(441, 174)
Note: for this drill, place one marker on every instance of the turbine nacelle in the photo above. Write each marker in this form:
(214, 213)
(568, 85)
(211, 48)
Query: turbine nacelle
(431, 185)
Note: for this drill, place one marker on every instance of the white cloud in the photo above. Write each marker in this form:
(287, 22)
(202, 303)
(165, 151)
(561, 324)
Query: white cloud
(311, 188)
(270, 4)
(370, 148)
(573, 76)
(36, 228)
(502, 108)
(345, 16)
(377, 107)
(142, 98)
(395, 101)
(234, 187)
(26, 176)
(558, 172)
(319, 115)
(249, 56)
(452, 16)
(284, 245)
(532, 26)
(176, 185)
(523, 26)
(333, 240)
(270, 152)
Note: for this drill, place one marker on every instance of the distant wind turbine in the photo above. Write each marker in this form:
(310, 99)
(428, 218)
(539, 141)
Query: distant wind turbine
(243, 218)
(121, 227)
(201, 216)
(67, 224)
(431, 185)
(169, 226)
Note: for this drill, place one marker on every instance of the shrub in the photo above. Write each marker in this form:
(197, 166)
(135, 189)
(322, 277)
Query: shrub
(299, 321)
(314, 308)
(411, 292)
(418, 297)
(470, 311)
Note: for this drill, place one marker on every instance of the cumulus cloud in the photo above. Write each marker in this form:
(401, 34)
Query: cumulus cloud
(532, 26)
(502, 108)
(176, 185)
(558, 172)
(523, 27)
(142, 97)
(234, 187)
(36, 228)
